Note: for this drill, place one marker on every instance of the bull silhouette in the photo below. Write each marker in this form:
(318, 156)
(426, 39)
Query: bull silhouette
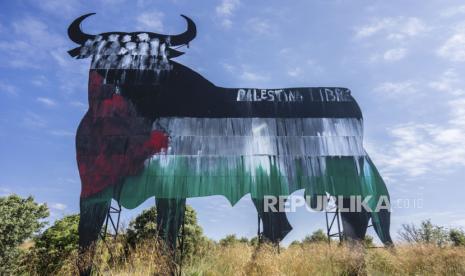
(157, 128)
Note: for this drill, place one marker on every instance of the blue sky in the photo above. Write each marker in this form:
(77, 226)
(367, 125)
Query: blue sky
(403, 61)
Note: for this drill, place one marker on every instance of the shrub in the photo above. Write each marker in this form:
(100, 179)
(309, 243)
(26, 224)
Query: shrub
(20, 218)
(457, 237)
(426, 233)
(53, 246)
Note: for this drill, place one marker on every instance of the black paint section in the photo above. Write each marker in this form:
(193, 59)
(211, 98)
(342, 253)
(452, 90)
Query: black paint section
(182, 92)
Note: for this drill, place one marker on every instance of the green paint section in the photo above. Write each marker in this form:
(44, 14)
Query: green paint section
(373, 184)
(342, 176)
(177, 179)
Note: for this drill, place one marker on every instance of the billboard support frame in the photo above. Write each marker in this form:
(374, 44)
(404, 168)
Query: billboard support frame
(329, 225)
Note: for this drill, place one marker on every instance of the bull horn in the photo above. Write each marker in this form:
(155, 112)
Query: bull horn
(75, 33)
(185, 37)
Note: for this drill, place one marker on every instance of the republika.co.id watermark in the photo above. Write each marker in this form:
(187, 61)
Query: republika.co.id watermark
(343, 204)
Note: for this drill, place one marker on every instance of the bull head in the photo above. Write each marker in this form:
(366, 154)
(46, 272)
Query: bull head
(136, 50)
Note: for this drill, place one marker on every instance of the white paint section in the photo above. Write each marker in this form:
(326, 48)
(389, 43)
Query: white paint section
(116, 52)
(266, 145)
(263, 136)
(185, 126)
(212, 146)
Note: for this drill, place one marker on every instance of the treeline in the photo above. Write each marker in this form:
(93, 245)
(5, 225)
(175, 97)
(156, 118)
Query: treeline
(28, 248)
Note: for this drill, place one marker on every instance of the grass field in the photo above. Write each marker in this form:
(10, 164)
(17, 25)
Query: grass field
(306, 259)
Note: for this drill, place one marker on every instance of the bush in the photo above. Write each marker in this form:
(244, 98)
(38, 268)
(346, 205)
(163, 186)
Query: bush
(368, 241)
(317, 236)
(144, 227)
(457, 237)
(53, 246)
(20, 218)
(427, 233)
(232, 239)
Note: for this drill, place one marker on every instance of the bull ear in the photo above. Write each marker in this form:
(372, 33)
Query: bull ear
(173, 53)
(75, 52)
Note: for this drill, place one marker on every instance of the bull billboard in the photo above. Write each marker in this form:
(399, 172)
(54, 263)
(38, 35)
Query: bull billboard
(156, 128)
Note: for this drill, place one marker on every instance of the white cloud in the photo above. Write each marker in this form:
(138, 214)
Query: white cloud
(395, 54)
(78, 104)
(314, 67)
(396, 88)
(227, 7)
(454, 47)
(453, 11)
(59, 7)
(448, 83)
(62, 59)
(392, 28)
(253, 77)
(33, 45)
(259, 26)
(225, 10)
(457, 110)
(375, 27)
(117, 2)
(8, 88)
(5, 191)
(295, 72)
(421, 148)
(39, 81)
(227, 23)
(19, 54)
(58, 206)
(228, 67)
(412, 26)
(30, 43)
(37, 32)
(33, 120)
(151, 21)
(46, 101)
(62, 133)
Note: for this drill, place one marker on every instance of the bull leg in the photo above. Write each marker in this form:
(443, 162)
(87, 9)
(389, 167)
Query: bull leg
(382, 231)
(92, 216)
(170, 216)
(354, 224)
(275, 224)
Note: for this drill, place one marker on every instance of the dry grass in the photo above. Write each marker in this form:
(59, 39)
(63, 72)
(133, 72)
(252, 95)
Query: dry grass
(308, 259)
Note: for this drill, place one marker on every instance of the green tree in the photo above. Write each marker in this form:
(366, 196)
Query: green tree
(317, 236)
(457, 237)
(53, 246)
(229, 240)
(233, 239)
(244, 240)
(425, 233)
(254, 241)
(144, 227)
(20, 218)
(195, 243)
(295, 243)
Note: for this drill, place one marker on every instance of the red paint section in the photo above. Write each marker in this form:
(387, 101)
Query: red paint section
(112, 142)
(158, 140)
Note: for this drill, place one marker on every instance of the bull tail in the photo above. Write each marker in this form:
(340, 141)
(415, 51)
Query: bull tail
(170, 217)
(374, 185)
